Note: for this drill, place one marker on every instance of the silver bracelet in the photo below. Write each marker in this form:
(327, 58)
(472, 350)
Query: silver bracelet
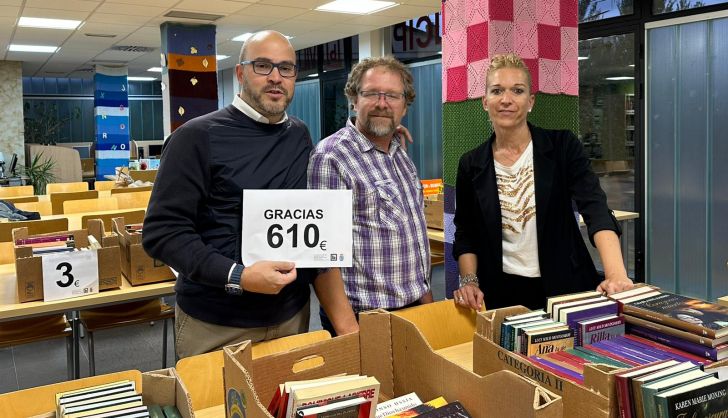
(469, 278)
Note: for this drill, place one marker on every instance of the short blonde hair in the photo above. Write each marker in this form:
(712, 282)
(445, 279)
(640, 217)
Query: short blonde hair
(507, 61)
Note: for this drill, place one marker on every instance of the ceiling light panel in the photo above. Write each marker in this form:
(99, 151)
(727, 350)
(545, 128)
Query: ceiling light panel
(357, 7)
(39, 22)
(32, 48)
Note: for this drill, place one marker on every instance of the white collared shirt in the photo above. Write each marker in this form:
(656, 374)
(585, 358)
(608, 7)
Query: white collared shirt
(244, 107)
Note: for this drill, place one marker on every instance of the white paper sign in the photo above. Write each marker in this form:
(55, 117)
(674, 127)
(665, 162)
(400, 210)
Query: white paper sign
(312, 228)
(70, 275)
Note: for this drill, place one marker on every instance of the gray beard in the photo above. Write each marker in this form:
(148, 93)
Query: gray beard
(380, 129)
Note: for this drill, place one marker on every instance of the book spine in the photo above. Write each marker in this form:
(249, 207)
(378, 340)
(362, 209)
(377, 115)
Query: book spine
(664, 329)
(687, 346)
(557, 370)
(614, 356)
(677, 354)
(623, 401)
(668, 320)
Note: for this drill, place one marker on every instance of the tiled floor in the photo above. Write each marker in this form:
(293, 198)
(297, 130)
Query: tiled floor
(134, 347)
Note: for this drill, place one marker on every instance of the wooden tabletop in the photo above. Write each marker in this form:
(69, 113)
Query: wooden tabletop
(74, 219)
(11, 309)
(439, 235)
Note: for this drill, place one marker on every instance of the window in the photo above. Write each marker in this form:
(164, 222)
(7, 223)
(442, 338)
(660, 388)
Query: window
(593, 10)
(607, 121)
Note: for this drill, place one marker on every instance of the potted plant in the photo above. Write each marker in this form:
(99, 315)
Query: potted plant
(40, 173)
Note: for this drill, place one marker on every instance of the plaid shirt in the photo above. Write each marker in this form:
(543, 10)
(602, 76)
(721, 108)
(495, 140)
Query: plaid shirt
(391, 266)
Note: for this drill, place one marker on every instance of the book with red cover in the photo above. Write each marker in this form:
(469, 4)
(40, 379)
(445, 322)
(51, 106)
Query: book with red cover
(621, 382)
(688, 314)
(567, 360)
(683, 356)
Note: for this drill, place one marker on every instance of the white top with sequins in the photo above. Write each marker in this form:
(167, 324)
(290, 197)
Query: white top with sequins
(518, 215)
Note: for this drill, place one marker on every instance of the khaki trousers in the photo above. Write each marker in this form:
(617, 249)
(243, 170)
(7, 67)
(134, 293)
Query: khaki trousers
(196, 337)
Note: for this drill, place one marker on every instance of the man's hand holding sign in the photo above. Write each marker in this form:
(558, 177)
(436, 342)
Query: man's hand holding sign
(302, 228)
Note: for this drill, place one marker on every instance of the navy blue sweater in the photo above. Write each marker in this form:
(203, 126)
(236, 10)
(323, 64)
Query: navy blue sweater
(193, 221)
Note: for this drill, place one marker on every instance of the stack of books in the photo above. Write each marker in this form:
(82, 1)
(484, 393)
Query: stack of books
(111, 400)
(118, 398)
(410, 405)
(48, 244)
(690, 325)
(598, 324)
(344, 396)
(668, 389)
(535, 333)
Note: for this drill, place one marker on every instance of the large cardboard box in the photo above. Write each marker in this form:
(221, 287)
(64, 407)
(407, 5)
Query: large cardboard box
(435, 212)
(421, 350)
(161, 387)
(250, 383)
(29, 268)
(595, 398)
(136, 265)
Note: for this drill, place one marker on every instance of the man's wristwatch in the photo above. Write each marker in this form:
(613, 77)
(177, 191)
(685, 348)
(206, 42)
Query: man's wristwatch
(234, 285)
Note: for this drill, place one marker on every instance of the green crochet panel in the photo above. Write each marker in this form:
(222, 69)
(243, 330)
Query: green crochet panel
(465, 125)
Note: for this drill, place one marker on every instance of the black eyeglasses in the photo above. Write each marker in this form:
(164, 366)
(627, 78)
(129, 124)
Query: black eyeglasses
(388, 97)
(264, 68)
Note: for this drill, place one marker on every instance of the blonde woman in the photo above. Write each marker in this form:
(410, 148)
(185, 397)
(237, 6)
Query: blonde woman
(516, 238)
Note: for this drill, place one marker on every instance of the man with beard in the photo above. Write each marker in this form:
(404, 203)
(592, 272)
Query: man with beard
(193, 221)
(391, 266)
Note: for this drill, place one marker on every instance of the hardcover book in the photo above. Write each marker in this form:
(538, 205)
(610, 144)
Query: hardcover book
(685, 335)
(704, 398)
(715, 354)
(693, 315)
(649, 390)
(636, 384)
(647, 345)
(346, 408)
(367, 387)
(598, 329)
(625, 400)
(570, 297)
(541, 342)
(398, 404)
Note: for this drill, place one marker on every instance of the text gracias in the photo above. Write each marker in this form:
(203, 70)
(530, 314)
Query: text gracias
(302, 214)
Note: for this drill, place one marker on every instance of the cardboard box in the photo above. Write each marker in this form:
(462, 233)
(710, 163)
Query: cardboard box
(250, 383)
(435, 212)
(595, 398)
(160, 387)
(136, 265)
(408, 350)
(29, 268)
(203, 377)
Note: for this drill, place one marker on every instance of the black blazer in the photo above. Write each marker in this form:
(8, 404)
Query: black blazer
(561, 173)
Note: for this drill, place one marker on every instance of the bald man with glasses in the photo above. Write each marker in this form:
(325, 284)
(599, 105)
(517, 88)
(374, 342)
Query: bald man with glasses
(194, 221)
(391, 266)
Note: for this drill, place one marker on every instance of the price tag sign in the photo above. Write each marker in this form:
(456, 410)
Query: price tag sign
(312, 228)
(70, 275)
